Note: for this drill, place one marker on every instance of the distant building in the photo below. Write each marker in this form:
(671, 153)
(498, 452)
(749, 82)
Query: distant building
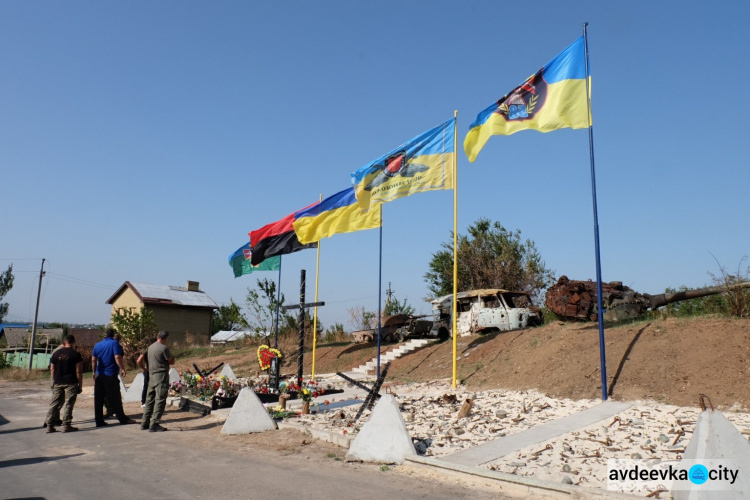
(19, 336)
(86, 337)
(182, 311)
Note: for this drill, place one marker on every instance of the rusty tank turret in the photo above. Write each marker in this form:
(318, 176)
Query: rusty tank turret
(571, 299)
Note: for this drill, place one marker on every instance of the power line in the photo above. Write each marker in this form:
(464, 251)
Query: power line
(78, 281)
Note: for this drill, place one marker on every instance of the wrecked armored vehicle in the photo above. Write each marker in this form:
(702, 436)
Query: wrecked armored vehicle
(485, 311)
(576, 300)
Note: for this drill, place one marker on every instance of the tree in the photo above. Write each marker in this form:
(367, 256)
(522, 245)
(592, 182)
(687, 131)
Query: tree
(361, 319)
(229, 318)
(262, 304)
(393, 306)
(136, 330)
(489, 257)
(6, 283)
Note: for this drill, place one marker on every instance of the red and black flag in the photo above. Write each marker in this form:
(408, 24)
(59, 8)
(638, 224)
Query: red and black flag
(276, 238)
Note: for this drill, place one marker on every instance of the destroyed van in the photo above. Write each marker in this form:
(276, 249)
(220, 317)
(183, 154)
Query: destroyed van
(485, 311)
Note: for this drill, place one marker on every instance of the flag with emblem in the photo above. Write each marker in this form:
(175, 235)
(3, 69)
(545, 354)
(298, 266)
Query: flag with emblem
(240, 262)
(550, 99)
(424, 163)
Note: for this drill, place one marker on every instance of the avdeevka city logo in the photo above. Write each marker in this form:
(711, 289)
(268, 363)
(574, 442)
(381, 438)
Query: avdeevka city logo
(698, 474)
(524, 101)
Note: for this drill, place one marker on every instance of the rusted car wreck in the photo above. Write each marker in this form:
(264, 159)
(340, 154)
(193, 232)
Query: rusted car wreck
(485, 311)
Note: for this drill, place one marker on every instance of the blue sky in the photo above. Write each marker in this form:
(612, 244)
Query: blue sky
(142, 141)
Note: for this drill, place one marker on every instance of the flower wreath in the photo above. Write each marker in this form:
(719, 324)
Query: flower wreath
(266, 354)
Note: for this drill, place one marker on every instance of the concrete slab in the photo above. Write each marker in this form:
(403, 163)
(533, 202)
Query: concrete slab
(248, 415)
(384, 438)
(174, 376)
(500, 447)
(715, 442)
(227, 370)
(123, 389)
(135, 390)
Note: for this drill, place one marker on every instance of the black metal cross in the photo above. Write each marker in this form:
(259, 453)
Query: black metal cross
(301, 321)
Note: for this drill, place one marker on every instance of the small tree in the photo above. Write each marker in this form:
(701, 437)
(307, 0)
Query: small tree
(6, 283)
(393, 306)
(489, 257)
(229, 317)
(738, 299)
(262, 305)
(136, 329)
(360, 319)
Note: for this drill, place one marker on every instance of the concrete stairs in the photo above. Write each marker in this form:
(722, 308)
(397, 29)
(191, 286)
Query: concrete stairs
(396, 353)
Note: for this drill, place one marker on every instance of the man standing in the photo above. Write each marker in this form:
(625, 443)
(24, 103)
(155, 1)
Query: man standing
(159, 361)
(66, 368)
(106, 361)
(143, 365)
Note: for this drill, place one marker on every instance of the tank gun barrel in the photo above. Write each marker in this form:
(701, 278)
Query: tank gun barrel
(663, 299)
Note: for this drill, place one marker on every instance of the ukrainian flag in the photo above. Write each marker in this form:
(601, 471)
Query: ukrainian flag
(339, 213)
(551, 99)
(423, 163)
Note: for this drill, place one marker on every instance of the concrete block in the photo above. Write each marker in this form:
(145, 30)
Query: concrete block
(227, 370)
(715, 442)
(174, 376)
(384, 438)
(135, 390)
(248, 415)
(123, 389)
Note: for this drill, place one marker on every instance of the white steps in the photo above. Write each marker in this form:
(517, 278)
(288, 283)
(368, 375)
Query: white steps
(396, 353)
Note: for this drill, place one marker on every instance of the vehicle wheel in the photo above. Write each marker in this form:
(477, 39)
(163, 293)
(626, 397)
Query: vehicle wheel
(401, 336)
(443, 334)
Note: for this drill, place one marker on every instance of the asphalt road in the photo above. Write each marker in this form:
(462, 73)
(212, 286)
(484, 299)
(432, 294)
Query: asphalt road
(125, 462)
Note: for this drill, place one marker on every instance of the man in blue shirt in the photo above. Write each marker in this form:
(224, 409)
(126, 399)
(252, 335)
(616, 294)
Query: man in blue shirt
(106, 363)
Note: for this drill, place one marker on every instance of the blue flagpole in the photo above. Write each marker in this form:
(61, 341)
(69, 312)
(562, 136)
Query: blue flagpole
(380, 282)
(599, 306)
(278, 298)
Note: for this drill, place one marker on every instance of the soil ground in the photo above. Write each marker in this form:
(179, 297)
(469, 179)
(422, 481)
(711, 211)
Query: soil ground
(669, 360)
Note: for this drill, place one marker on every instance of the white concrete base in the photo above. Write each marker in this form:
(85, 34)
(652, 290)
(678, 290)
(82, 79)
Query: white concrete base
(174, 376)
(384, 438)
(227, 370)
(123, 389)
(715, 441)
(248, 415)
(135, 390)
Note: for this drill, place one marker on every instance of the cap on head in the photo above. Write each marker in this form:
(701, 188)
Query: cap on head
(162, 334)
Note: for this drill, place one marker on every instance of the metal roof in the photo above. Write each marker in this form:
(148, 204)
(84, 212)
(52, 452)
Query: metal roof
(167, 294)
(232, 335)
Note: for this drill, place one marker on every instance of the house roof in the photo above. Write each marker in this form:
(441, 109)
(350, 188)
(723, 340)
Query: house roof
(16, 337)
(232, 335)
(166, 295)
(86, 337)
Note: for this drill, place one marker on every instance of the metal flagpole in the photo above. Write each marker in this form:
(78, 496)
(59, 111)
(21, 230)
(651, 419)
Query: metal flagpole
(455, 239)
(315, 313)
(599, 307)
(278, 306)
(380, 281)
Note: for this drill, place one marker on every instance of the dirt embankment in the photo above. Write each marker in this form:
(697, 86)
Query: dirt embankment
(667, 360)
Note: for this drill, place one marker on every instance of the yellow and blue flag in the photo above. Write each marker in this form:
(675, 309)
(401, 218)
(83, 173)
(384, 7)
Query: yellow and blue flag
(336, 214)
(550, 99)
(424, 163)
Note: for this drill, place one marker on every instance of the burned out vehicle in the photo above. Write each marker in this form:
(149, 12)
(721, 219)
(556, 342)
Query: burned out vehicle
(485, 311)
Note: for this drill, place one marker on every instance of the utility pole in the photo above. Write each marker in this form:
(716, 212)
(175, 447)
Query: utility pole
(36, 314)
(389, 293)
